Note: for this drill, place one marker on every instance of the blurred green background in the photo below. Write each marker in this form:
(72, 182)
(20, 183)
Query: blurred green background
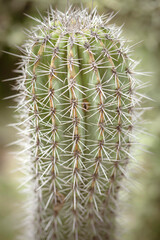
(141, 217)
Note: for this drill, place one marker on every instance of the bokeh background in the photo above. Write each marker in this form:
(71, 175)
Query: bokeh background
(141, 216)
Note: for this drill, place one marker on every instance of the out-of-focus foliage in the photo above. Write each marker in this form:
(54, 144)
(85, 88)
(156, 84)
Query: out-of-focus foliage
(142, 22)
(146, 224)
(8, 200)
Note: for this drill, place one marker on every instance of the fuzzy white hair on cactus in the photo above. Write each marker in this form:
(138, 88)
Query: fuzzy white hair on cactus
(78, 106)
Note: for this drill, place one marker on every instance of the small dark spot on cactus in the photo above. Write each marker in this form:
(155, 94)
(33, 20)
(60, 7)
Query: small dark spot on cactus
(52, 71)
(37, 129)
(35, 38)
(72, 82)
(99, 87)
(106, 52)
(91, 215)
(85, 105)
(71, 41)
(46, 39)
(94, 34)
(76, 137)
(118, 110)
(114, 71)
(54, 159)
(74, 211)
(34, 78)
(76, 154)
(36, 159)
(94, 66)
(56, 50)
(34, 97)
(118, 145)
(91, 189)
(108, 37)
(116, 164)
(59, 202)
(122, 174)
(53, 173)
(75, 121)
(118, 127)
(74, 103)
(76, 170)
(119, 52)
(87, 46)
(128, 71)
(54, 144)
(101, 125)
(36, 113)
(112, 178)
(125, 55)
(53, 111)
(101, 143)
(122, 53)
(70, 61)
(118, 92)
(51, 92)
(118, 187)
(130, 127)
(54, 129)
(98, 159)
(129, 144)
(101, 107)
(130, 91)
(37, 59)
(95, 176)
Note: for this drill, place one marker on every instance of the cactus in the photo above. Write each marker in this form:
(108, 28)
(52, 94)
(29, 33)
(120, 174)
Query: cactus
(77, 104)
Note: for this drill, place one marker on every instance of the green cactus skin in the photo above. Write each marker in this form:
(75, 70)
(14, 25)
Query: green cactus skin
(78, 109)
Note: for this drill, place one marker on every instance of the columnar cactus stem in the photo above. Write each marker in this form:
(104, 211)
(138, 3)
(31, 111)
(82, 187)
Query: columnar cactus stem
(77, 100)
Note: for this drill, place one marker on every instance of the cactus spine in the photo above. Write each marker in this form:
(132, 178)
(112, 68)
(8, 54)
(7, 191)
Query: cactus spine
(77, 98)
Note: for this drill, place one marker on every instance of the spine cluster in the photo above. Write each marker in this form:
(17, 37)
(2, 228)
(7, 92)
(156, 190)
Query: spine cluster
(78, 98)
